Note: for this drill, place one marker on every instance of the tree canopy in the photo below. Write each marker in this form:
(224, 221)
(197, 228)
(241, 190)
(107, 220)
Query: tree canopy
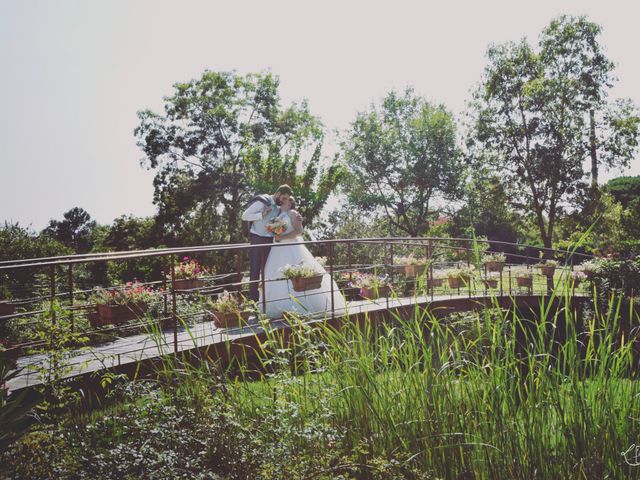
(402, 157)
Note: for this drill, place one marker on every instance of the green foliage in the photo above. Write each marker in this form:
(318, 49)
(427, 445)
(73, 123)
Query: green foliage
(218, 137)
(625, 190)
(616, 277)
(16, 409)
(537, 116)
(403, 157)
(75, 231)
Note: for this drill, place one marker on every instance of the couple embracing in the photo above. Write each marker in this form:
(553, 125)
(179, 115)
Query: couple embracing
(279, 294)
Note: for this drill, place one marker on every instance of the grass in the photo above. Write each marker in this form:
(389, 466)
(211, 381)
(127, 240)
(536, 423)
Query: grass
(484, 396)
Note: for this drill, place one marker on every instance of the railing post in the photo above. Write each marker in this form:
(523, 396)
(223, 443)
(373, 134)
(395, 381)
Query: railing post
(263, 286)
(349, 262)
(173, 301)
(333, 308)
(53, 293)
(165, 293)
(430, 276)
(71, 316)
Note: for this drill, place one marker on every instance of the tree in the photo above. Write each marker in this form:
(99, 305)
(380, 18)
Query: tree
(402, 157)
(624, 189)
(529, 123)
(75, 230)
(218, 135)
(569, 47)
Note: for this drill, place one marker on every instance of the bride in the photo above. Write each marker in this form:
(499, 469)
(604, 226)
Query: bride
(279, 292)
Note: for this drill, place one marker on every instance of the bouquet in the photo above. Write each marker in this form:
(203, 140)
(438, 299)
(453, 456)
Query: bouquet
(277, 226)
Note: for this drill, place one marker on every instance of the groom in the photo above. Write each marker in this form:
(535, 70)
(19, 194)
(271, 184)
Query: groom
(261, 210)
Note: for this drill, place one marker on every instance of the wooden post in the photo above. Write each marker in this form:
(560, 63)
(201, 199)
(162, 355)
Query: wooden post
(174, 311)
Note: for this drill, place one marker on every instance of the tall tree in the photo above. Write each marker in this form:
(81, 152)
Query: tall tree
(403, 157)
(216, 131)
(75, 230)
(529, 123)
(572, 55)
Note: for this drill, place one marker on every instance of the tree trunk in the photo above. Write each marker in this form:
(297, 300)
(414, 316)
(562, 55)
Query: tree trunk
(593, 151)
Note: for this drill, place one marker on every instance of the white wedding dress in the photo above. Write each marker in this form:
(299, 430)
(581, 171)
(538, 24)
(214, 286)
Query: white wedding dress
(279, 292)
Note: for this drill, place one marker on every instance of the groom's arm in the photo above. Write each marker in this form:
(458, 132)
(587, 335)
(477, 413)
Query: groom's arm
(254, 212)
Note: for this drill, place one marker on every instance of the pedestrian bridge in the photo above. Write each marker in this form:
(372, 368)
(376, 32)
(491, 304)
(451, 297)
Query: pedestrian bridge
(422, 273)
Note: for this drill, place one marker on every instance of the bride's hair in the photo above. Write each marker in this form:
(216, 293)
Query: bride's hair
(292, 203)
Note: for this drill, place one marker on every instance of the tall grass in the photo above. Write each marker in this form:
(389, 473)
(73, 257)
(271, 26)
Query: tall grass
(495, 396)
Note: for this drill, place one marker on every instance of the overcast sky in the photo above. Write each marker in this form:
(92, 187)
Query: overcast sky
(74, 74)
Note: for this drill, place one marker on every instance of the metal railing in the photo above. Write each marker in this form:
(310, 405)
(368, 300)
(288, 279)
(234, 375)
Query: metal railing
(343, 266)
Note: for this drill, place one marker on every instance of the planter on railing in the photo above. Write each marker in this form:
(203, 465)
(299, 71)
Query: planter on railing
(189, 283)
(524, 282)
(414, 270)
(373, 293)
(7, 309)
(302, 284)
(230, 319)
(435, 282)
(116, 314)
(458, 282)
(490, 282)
(494, 266)
(547, 270)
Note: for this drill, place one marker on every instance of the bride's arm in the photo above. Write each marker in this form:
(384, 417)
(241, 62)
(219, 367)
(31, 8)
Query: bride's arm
(297, 226)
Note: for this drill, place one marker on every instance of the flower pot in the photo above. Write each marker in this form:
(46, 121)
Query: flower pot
(230, 319)
(547, 270)
(370, 293)
(524, 281)
(434, 282)
(115, 314)
(494, 266)
(188, 283)
(7, 309)
(490, 282)
(301, 284)
(458, 282)
(414, 270)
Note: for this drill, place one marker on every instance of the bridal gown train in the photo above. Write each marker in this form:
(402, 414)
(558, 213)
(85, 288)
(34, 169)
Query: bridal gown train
(279, 292)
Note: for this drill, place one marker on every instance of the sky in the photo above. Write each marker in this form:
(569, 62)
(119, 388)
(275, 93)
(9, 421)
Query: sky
(74, 74)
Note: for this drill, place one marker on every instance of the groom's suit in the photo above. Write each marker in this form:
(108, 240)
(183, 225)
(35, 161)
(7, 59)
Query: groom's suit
(258, 235)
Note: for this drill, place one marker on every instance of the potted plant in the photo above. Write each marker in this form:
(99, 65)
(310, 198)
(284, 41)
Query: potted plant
(524, 277)
(459, 277)
(412, 266)
(576, 277)
(547, 267)
(437, 280)
(302, 277)
(588, 268)
(6, 308)
(344, 280)
(494, 261)
(490, 281)
(372, 286)
(229, 310)
(187, 274)
(118, 305)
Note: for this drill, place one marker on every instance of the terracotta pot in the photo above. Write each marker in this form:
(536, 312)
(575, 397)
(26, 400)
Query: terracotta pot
(434, 282)
(302, 284)
(494, 266)
(546, 270)
(414, 270)
(524, 281)
(231, 319)
(458, 282)
(115, 314)
(7, 309)
(490, 283)
(370, 293)
(189, 283)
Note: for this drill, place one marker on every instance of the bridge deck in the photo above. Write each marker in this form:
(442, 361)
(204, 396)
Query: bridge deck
(132, 349)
